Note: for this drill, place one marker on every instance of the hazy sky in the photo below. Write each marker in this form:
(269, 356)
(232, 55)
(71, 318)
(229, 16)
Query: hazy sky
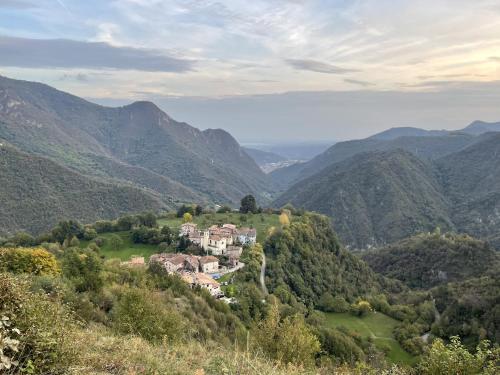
(268, 70)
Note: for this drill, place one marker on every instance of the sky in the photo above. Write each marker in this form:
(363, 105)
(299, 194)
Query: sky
(268, 71)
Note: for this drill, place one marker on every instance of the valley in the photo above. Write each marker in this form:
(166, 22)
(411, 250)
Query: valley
(141, 225)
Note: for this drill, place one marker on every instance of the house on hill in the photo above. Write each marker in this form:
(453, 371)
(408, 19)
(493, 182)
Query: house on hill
(247, 236)
(203, 280)
(209, 264)
(187, 229)
(217, 244)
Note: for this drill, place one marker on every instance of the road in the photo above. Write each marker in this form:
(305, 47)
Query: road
(262, 274)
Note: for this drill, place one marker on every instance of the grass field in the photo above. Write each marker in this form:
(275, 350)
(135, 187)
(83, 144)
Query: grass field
(128, 249)
(377, 326)
(261, 222)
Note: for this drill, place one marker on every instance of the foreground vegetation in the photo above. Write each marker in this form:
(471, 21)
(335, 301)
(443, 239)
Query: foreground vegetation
(67, 308)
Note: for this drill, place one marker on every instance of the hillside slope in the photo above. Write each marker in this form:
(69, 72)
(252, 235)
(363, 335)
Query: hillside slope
(471, 179)
(374, 198)
(307, 260)
(430, 146)
(427, 260)
(167, 155)
(36, 193)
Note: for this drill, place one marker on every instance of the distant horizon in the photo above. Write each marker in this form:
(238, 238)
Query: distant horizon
(275, 70)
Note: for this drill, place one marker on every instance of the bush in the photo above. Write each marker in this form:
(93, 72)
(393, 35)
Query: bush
(287, 340)
(141, 312)
(43, 328)
(36, 261)
(454, 358)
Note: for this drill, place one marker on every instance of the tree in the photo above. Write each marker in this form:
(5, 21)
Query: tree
(187, 217)
(89, 234)
(248, 204)
(287, 340)
(183, 243)
(115, 242)
(185, 208)
(74, 242)
(224, 210)
(454, 358)
(67, 229)
(284, 219)
(362, 308)
(198, 210)
(37, 261)
(147, 219)
(23, 239)
(126, 222)
(83, 268)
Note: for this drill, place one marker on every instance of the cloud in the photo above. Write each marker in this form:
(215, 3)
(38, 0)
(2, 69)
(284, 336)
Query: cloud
(65, 53)
(318, 66)
(358, 82)
(16, 4)
(80, 77)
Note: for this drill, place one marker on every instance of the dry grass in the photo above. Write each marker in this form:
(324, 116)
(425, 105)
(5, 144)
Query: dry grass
(101, 352)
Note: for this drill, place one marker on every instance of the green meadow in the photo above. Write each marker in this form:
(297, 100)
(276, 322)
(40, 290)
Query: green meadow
(377, 326)
(261, 222)
(126, 250)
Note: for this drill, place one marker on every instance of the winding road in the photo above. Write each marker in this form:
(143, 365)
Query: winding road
(262, 274)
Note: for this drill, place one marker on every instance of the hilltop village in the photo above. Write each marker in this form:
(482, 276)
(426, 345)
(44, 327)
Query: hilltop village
(217, 241)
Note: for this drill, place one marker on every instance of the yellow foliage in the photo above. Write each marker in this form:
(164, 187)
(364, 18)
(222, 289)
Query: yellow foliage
(284, 219)
(187, 218)
(36, 261)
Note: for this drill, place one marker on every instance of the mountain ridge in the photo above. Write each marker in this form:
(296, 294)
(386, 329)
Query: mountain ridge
(82, 135)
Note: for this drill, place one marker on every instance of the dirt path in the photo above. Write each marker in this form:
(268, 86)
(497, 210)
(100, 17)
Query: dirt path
(262, 274)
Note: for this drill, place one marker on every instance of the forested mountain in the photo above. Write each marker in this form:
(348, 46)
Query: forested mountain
(471, 179)
(426, 260)
(35, 193)
(375, 197)
(137, 143)
(307, 260)
(481, 127)
(394, 133)
(373, 200)
(430, 146)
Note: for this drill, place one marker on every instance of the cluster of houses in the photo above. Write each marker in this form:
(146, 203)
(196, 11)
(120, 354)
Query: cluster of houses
(219, 240)
(194, 270)
(225, 240)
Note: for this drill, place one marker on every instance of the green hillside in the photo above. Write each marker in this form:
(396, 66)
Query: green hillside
(137, 143)
(36, 193)
(426, 260)
(376, 326)
(375, 198)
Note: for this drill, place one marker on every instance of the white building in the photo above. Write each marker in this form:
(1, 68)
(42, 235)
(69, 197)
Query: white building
(247, 236)
(209, 264)
(187, 229)
(216, 244)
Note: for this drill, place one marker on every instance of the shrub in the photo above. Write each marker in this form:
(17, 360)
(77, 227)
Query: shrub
(43, 328)
(454, 358)
(37, 261)
(141, 312)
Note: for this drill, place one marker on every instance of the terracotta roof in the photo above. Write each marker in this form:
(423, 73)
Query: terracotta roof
(176, 258)
(208, 259)
(203, 278)
(247, 231)
(215, 237)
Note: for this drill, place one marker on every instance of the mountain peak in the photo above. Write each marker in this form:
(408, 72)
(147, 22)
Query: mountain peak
(479, 127)
(143, 105)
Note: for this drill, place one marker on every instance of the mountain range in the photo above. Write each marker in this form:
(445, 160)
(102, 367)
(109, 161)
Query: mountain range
(404, 186)
(137, 145)
(376, 190)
